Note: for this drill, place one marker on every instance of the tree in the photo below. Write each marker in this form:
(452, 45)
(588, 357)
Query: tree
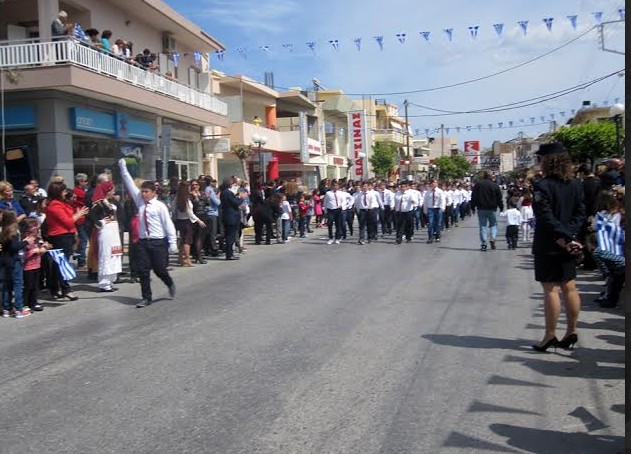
(588, 141)
(384, 158)
(452, 166)
(243, 152)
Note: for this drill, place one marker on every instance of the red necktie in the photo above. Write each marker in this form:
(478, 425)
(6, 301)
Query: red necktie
(383, 196)
(144, 214)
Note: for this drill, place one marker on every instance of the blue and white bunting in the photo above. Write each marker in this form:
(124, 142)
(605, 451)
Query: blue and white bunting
(335, 43)
(621, 13)
(552, 116)
(473, 29)
(548, 22)
(490, 126)
(458, 129)
(499, 29)
(524, 26)
(562, 113)
(265, 48)
(573, 111)
(542, 118)
(468, 128)
(479, 127)
(358, 43)
(425, 35)
(500, 124)
(532, 119)
(401, 37)
(311, 45)
(243, 52)
(379, 40)
(289, 47)
(450, 33)
(598, 17)
(573, 19)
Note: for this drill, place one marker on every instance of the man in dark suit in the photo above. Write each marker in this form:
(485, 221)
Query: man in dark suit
(231, 215)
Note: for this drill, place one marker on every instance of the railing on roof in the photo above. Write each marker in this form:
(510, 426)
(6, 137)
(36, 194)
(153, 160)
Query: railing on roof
(33, 53)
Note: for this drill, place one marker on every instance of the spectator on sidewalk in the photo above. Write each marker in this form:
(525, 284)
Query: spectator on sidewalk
(486, 198)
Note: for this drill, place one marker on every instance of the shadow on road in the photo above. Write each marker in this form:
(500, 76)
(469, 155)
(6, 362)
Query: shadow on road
(476, 341)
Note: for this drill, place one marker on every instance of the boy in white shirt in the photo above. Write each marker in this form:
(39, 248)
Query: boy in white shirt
(513, 218)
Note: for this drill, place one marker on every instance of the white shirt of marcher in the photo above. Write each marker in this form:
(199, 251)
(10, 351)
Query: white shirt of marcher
(388, 197)
(416, 194)
(348, 201)
(404, 201)
(333, 200)
(439, 199)
(158, 217)
(449, 197)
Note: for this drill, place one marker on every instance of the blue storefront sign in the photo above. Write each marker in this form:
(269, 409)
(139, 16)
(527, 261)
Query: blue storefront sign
(118, 124)
(19, 117)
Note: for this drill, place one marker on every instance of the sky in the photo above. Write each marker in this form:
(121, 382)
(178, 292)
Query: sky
(271, 36)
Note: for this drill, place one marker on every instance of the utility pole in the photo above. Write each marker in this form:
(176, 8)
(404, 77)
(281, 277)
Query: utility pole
(407, 134)
(442, 139)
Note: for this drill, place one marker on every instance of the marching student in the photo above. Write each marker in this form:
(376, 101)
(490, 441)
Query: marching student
(385, 213)
(458, 198)
(348, 213)
(157, 237)
(404, 204)
(416, 213)
(434, 207)
(333, 200)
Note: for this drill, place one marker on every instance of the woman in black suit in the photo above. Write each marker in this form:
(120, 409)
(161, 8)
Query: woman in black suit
(231, 215)
(560, 211)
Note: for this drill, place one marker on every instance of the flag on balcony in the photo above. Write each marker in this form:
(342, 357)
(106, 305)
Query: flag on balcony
(79, 33)
(524, 26)
(425, 35)
(499, 29)
(573, 18)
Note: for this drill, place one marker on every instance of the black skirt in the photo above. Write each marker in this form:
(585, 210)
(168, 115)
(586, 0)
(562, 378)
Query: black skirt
(555, 268)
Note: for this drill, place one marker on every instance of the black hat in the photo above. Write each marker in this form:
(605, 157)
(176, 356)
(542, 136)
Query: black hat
(550, 148)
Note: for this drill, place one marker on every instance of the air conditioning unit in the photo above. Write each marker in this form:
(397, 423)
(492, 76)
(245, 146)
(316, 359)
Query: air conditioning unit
(169, 44)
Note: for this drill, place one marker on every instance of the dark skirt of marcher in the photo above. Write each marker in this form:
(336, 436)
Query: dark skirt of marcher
(185, 227)
(555, 268)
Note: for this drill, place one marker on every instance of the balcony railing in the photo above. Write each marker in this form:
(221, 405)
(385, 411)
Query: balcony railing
(31, 53)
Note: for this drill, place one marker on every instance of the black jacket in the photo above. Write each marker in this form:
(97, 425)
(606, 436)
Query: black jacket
(230, 203)
(486, 195)
(559, 209)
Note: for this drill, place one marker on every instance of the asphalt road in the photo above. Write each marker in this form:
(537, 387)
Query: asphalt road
(310, 348)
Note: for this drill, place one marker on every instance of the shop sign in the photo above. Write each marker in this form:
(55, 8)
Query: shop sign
(92, 121)
(304, 139)
(338, 161)
(357, 139)
(18, 117)
(216, 145)
(314, 146)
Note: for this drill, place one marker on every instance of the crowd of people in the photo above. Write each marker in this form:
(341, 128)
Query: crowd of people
(43, 231)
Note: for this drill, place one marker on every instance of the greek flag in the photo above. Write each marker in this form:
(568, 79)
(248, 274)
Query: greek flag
(80, 34)
(66, 270)
(609, 234)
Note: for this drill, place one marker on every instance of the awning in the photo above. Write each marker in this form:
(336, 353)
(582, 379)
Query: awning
(395, 125)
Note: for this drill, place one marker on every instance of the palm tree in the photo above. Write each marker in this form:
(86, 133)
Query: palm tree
(243, 152)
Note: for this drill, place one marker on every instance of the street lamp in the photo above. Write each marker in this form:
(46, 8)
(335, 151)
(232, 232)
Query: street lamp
(407, 165)
(617, 111)
(259, 141)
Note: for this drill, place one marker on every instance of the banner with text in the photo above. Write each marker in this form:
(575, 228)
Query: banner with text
(472, 151)
(357, 141)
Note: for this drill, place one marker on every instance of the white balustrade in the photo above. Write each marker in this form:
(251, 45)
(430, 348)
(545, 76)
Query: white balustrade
(26, 54)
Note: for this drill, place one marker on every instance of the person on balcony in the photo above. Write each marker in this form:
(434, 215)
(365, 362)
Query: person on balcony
(105, 40)
(60, 28)
(93, 35)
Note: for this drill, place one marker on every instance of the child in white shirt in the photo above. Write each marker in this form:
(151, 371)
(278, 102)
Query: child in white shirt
(513, 217)
(285, 217)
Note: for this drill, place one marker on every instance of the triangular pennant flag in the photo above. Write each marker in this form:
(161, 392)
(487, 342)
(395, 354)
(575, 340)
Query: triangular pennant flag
(425, 35)
(197, 58)
(401, 37)
(289, 47)
(479, 127)
(598, 17)
(499, 29)
(542, 118)
(458, 129)
(605, 103)
(500, 124)
(265, 48)
(474, 31)
(468, 128)
(426, 131)
(449, 32)
(573, 111)
(552, 116)
(562, 113)
(335, 43)
(358, 43)
(524, 26)
(175, 56)
(532, 120)
(548, 22)
(416, 132)
(243, 52)
(446, 130)
(490, 126)
(621, 12)
(379, 40)
(615, 101)
(573, 18)
(311, 45)
(521, 120)
(510, 123)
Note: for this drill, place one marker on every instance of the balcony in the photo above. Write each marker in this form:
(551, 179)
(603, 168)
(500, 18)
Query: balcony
(33, 55)
(389, 135)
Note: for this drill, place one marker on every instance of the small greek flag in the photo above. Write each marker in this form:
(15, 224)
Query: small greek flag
(609, 234)
(80, 34)
(66, 270)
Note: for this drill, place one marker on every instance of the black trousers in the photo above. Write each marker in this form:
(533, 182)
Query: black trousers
(334, 217)
(230, 232)
(31, 287)
(348, 219)
(447, 216)
(512, 235)
(371, 223)
(404, 224)
(152, 255)
(263, 224)
(385, 218)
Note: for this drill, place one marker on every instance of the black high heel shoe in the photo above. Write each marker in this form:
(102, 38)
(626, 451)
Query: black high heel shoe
(568, 342)
(551, 343)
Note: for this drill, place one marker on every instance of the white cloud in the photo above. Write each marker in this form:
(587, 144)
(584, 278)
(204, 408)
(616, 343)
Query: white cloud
(249, 16)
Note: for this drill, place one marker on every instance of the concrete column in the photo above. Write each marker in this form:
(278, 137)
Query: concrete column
(47, 11)
(54, 151)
